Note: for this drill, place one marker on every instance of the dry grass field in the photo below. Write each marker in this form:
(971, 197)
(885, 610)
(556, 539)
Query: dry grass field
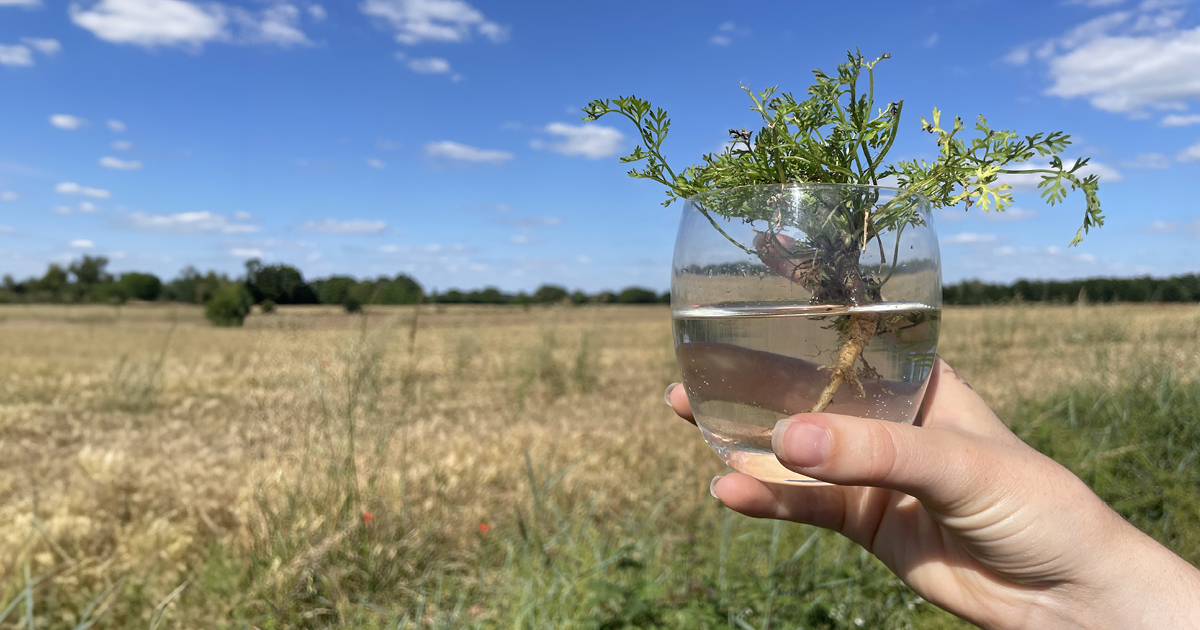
(488, 467)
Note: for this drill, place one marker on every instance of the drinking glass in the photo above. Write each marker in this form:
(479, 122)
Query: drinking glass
(775, 289)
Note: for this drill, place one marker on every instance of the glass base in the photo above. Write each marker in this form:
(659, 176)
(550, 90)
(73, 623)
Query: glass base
(758, 463)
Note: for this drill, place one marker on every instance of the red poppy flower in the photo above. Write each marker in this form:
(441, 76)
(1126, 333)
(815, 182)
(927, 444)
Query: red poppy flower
(484, 528)
(367, 517)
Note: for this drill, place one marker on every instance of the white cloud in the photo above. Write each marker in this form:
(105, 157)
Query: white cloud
(21, 3)
(931, 41)
(246, 252)
(16, 55)
(1125, 62)
(62, 209)
(119, 164)
(242, 215)
(351, 226)
(417, 21)
(389, 249)
(82, 243)
(87, 206)
(727, 32)
(1181, 120)
(1011, 214)
(67, 121)
(376, 163)
(520, 239)
(152, 23)
(584, 260)
(1190, 154)
(386, 144)
(966, 238)
(115, 125)
(46, 46)
(1148, 160)
(278, 24)
(71, 188)
(591, 141)
(9, 195)
(122, 145)
(429, 65)
(317, 13)
(186, 223)
(463, 153)
(1192, 229)
(7, 229)
(1096, 3)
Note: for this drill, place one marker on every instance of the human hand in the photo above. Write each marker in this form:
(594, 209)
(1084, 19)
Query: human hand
(970, 517)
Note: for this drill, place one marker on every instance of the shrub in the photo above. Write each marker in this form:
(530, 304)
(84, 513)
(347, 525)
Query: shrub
(267, 306)
(352, 305)
(229, 305)
(637, 295)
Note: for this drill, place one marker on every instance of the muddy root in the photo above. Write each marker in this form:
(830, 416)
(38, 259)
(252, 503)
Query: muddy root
(862, 328)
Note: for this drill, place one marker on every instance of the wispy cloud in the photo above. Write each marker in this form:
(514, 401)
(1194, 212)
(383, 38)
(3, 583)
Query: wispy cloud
(1191, 229)
(417, 21)
(15, 55)
(466, 154)
(122, 145)
(376, 163)
(1190, 154)
(71, 188)
(67, 121)
(727, 33)
(1148, 160)
(119, 164)
(45, 45)
(82, 243)
(969, 238)
(591, 141)
(185, 223)
(1181, 120)
(9, 195)
(115, 125)
(351, 226)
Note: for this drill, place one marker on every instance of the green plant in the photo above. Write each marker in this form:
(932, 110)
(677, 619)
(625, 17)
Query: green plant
(838, 136)
(267, 306)
(229, 305)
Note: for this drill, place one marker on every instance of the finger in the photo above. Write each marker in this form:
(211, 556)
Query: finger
(677, 398)
(939, 467)
(951, 402)
(818, 505)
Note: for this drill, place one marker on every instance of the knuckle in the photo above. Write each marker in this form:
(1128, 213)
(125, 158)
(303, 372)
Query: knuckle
(880, 458)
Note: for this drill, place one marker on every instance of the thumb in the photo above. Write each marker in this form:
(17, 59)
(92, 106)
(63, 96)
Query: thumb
(939, 467)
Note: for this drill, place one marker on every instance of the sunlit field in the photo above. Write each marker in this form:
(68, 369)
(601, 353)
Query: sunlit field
(490, 467)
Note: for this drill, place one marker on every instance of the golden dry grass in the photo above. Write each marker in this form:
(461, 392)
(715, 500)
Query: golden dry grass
(141, 450)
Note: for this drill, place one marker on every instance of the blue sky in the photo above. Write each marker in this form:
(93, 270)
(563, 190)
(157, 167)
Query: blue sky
(442, 139)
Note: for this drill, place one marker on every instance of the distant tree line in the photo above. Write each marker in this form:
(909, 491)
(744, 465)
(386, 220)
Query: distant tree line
(228, 300)
(1185, 288)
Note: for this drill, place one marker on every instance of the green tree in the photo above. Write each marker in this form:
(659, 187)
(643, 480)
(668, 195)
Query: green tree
(229, 305)
(280, 283)
(637, 295)
(550, 294)
(140, 286)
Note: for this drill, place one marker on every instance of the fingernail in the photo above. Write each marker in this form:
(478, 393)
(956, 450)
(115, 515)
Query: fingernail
(800, 444)
(712, 487)
(667, 394)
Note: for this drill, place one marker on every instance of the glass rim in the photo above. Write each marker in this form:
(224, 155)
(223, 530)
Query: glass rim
(894, 189)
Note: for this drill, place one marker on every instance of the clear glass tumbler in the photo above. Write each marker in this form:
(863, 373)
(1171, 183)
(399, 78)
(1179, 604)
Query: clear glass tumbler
(788, 298)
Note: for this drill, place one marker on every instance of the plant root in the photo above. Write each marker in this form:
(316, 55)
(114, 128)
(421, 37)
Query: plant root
(862, 328)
